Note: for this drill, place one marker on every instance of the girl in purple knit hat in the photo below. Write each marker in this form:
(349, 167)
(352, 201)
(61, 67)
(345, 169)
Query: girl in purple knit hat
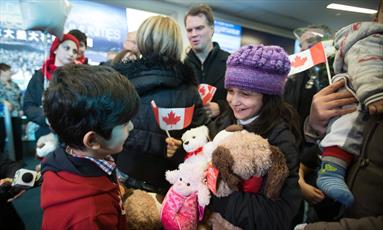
(255, 78)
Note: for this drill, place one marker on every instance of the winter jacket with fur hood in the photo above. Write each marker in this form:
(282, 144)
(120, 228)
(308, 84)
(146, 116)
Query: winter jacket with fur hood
(170, 85)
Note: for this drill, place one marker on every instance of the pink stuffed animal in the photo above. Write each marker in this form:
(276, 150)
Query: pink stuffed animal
(185, 201)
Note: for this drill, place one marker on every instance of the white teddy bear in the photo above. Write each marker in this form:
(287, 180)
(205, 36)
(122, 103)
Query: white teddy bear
(193, 142)
(198, 146)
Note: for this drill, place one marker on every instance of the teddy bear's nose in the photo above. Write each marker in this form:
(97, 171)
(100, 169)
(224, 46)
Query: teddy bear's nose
(186, 142)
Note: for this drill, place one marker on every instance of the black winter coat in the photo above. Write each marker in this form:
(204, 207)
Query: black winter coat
(32, 105)
(255, 211)
(170, 86)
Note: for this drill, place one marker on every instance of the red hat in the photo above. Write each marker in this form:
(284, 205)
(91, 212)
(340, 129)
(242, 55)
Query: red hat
(48, 66)
(57, 42)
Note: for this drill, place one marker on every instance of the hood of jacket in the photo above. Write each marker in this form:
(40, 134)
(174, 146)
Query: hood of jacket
(346, 37)
(67, 179)
(148, 74)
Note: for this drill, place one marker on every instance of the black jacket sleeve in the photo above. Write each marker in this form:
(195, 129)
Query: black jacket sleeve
(33, 99)
(255, 211)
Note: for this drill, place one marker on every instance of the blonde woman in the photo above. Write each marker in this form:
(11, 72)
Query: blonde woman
(158, 75)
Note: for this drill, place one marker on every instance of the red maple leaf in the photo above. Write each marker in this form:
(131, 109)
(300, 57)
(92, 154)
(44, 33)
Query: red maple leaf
(171, 119)
(298, 61)
(201, 91)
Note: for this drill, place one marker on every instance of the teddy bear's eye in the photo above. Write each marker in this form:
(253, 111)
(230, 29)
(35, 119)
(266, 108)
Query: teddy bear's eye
(180, 179)
(188, 184)
(193, 137)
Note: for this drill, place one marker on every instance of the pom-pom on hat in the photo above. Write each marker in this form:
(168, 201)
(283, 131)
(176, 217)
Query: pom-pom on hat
(258, 68)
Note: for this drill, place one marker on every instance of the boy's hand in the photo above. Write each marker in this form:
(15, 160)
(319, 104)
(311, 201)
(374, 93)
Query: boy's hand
(376, 107)
(173, 145)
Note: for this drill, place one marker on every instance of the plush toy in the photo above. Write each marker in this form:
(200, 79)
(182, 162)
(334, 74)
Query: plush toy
(186, 199)
(142, 209)
(193, 141)
(46, 144)
(243, 155)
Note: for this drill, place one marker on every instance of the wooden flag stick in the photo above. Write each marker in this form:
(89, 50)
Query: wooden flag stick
(167, 133)
(327, 67)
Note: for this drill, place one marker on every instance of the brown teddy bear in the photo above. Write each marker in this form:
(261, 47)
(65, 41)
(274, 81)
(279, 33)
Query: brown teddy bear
(243, 155)
(238, 157)
(142, 209)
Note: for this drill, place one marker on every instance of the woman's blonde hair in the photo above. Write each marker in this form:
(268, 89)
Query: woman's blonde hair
(160, 36)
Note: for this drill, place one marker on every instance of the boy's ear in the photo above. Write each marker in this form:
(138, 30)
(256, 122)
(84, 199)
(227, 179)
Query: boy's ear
(91, 140)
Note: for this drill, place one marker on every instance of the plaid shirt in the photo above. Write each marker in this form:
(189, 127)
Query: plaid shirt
(107, 164)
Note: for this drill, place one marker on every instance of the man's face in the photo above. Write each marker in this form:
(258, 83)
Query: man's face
(310, 37)
(199, 33)
(82, 49)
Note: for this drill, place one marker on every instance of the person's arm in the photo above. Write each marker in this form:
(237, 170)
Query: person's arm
(310, 193)
(371, 223)
(327, 103)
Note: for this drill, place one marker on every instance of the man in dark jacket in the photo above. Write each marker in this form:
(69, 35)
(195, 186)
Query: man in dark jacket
(205, 57)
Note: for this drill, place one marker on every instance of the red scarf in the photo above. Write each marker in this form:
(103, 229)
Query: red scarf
(81, 60)
(48, 68)
(253, 184)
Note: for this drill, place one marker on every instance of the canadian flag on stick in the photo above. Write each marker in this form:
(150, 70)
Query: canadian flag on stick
(307, 58)
(172, 118)
(206, 92)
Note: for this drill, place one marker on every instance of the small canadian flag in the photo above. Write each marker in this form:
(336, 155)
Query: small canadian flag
(307, 59)
(206, 92)
(172, 118)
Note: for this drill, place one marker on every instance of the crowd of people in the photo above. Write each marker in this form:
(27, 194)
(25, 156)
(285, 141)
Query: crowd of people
(106, 138)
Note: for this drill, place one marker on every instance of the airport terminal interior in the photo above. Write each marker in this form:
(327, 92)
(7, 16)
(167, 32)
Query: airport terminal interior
(28, 30)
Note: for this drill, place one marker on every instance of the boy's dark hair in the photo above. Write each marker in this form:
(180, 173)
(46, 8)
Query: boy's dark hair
(83, 98)
(269, 116)
(81, 37)
(201, 9)
(4, 67)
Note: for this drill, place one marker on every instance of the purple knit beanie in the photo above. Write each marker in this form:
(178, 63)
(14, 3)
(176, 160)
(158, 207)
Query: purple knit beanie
(258, 68)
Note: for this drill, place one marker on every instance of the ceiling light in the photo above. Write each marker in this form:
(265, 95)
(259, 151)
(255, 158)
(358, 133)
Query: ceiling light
(351, 8)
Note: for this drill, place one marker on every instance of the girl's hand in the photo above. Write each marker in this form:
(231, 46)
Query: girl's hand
(212, 109)
(310, 193)
(173, 145)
